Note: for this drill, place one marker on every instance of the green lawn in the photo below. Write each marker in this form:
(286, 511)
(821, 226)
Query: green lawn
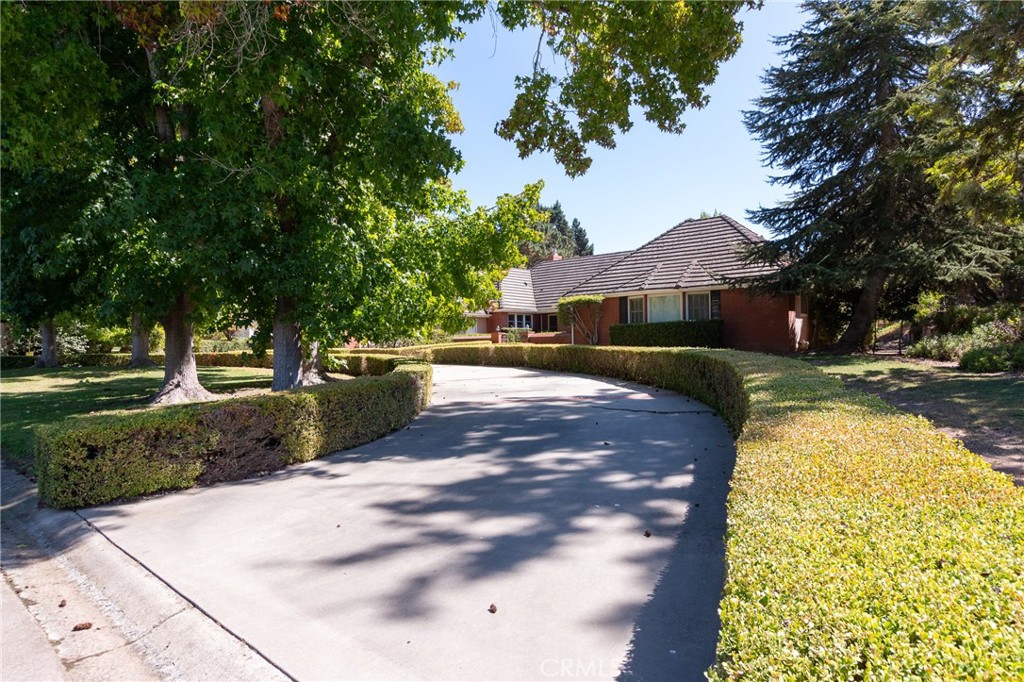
(948, 396)
(29, 397)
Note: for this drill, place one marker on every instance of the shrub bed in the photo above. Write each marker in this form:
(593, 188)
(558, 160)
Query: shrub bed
(89, 460)
(862, 543)
(697, 333)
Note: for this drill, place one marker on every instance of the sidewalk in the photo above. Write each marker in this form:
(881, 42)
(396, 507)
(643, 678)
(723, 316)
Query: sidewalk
(60, 573)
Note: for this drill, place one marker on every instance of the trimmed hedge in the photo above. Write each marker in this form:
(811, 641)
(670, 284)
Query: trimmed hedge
(16, 362)
(90, 460)
(862, 543)
(695, 333)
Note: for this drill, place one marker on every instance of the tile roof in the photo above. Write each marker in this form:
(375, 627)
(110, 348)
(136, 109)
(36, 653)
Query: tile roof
(553, 278)
(517, 291)
(695, 253)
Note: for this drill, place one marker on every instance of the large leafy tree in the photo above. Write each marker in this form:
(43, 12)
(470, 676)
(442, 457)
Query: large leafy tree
(290, 158)
(862, 216)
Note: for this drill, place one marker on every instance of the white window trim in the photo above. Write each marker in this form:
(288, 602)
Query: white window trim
(697, 293)
(629, 312)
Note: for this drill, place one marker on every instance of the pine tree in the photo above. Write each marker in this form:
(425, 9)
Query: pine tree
(834, 116)
(580, 239)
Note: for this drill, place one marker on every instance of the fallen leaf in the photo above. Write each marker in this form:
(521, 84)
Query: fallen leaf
(81, 626)
(648, 533)
(62, 604)
(492, 608)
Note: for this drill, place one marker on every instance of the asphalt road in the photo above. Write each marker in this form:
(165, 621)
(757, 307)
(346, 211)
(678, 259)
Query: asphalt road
(589, 513)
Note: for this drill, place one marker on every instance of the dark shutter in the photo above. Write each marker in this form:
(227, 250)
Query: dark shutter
(716, 305)
(624, 310)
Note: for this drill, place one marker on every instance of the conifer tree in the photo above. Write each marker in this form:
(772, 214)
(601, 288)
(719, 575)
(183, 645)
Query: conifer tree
(834, 117)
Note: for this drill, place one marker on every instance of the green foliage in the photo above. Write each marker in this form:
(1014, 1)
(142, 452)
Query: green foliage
(698, 333)
(515, 334)
(556, 235)
(992, 340)
(862, 225)
(16, 361)
(656, 55)
(95, 459)
(1004, 357)
(583, 313)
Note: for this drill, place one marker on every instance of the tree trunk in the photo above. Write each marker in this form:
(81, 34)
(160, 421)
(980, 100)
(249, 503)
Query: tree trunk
(181, 383)
(140, 343)
(856, 335)
(48, 358)
(292, 369)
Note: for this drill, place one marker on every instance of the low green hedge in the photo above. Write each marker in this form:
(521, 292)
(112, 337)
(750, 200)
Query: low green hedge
(16, 362)
(695, 333)
(862, 544)
(227, 359)
(89, 460)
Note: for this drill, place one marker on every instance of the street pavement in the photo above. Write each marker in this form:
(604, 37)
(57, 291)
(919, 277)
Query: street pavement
(526, 526)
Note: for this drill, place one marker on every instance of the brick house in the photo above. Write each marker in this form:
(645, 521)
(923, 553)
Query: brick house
(679, 275)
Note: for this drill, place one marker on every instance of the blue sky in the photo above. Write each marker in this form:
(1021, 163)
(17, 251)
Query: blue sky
(652, 180)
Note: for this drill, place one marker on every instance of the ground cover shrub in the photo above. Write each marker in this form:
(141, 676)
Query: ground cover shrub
(993, 346)
(696, 333)
(862, 543)
(92, 459)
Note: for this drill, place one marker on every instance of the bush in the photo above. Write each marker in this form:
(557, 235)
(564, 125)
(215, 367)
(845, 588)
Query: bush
(696, 333)
(992, 335)
(1004, 357)
(862, 543)
(515, 334)
(89, 460)
(16, 362)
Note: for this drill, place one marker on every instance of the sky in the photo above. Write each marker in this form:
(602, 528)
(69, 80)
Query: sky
(652, 180)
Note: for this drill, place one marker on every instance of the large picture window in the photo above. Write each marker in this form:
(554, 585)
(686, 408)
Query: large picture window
(664, 308)
(636, 310)
(520, 321)
(698, 306)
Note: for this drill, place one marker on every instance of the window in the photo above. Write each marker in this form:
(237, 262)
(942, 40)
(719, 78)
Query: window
(636, 309)
(520, 321)
(552, 323)
(698, 306)
(664, 308)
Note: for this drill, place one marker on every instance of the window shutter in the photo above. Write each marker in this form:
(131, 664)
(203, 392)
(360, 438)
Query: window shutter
(716, 305)
(623, 310)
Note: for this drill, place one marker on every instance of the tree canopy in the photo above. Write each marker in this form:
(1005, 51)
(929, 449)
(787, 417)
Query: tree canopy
(287, 162)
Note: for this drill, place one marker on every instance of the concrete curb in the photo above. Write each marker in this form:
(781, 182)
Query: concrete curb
(141, 628)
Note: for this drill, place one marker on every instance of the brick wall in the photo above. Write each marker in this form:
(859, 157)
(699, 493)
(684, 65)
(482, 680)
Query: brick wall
(764, 323)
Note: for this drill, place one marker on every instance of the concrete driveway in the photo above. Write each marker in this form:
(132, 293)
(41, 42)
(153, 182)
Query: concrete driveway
(590, 513)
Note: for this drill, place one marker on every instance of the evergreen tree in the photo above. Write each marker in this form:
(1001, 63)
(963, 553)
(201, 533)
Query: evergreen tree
(579, 238)
(861, 214)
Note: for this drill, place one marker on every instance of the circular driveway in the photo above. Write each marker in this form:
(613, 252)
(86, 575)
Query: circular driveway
(590, 513)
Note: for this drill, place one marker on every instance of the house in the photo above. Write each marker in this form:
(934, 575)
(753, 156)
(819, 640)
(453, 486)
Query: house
(682, 274)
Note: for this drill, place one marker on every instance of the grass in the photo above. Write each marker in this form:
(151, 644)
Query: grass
(31, 397)
(948, 396)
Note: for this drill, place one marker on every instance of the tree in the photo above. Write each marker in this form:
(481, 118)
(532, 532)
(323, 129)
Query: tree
(45, 249)
(556, 235)
(286, 158)
(580, 239)
(835, 116)
(583, 313)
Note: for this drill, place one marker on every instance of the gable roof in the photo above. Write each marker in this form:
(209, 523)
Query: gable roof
(517, 291)
(553, 278)
(695, 253)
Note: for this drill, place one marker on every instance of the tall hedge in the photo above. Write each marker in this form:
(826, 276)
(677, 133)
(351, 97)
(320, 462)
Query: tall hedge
(862, 544)
(89, 460)
(694, 333)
